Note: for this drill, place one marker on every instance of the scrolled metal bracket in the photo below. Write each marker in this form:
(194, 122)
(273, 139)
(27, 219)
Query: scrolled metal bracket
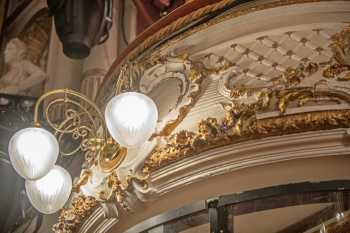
(75, 119)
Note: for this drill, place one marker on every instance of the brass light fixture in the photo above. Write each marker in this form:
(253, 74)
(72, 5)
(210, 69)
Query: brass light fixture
(129, 120)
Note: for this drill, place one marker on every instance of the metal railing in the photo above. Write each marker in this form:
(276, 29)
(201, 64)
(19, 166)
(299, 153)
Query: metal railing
(220, 211)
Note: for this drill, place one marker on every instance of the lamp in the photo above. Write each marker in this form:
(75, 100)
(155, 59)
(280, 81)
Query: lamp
(130, 118)
(49, 193)
(33, 152)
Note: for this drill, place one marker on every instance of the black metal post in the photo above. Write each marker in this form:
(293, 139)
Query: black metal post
(346, 201)
(220, 218)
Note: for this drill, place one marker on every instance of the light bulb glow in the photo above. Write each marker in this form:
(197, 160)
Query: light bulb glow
(33, 152)
(132, 107)
(49, 193)
(50, 183)
(131, 118)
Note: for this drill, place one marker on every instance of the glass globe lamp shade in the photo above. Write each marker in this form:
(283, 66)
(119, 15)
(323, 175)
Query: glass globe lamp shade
(33, 152)
(49, 193)
(131, 118)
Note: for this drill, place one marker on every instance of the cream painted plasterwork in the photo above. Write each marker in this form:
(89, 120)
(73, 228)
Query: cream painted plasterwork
(240, 121)
(309, 87)
(144, 77)
(223, 160)
(247, 119)
(141, 177)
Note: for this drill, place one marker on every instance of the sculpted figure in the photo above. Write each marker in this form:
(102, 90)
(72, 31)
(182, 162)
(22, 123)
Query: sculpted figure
(21, 75)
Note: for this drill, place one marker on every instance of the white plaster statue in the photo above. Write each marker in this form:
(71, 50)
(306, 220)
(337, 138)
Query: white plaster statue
(22, 75)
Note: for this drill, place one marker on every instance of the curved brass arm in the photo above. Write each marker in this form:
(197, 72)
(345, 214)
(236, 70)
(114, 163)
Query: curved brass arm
(66, 93)
(81, 120)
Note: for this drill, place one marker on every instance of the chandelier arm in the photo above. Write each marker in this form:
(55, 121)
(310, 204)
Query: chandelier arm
(66, 92)
(59, 128)
(109, 153)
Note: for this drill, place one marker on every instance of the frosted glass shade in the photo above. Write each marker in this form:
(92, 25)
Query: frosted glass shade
(33, 152)
(49, 193)
(131, 118)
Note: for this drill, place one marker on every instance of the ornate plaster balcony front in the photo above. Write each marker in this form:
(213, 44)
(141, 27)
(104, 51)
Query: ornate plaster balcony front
(250, 94)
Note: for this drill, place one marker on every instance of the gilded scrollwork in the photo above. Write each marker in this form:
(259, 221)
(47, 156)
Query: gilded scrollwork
(116, 189)
(335, 69)
(339, 68)
(82, 129)
(212, 134)
(294, 84)
(84, 177)
(240, 121)
(179, 67)
(82, 123)
(145, 76)
(290, 78)
(341, 46)
(71, 218)
(128, 78)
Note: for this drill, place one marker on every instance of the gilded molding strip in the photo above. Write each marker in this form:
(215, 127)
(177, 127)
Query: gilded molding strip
(211, 134)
